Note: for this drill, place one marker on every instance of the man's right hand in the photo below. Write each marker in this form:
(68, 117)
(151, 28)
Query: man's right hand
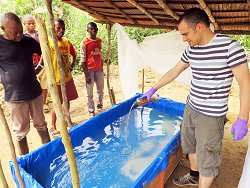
(149, 94)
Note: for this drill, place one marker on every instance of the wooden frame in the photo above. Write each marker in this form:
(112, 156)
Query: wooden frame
(163, 176)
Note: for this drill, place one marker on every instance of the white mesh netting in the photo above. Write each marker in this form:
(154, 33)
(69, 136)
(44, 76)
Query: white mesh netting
(159, 52)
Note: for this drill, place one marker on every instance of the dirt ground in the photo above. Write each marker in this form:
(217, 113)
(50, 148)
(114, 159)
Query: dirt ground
(233, 153)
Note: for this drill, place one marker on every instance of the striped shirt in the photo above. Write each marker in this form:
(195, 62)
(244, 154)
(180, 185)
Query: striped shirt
(212, 75)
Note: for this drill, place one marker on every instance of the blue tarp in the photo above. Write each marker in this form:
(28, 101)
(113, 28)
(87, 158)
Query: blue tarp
(32, 163)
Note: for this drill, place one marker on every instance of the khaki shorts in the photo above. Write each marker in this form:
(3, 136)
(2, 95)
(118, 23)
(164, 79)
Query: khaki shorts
(203, 135)
(20, 113)
(41, 77)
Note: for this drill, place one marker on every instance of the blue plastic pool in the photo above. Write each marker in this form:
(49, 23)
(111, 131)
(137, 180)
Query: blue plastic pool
(113, 149)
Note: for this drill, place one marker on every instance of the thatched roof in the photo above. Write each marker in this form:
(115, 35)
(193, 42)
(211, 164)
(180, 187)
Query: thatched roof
(228, 16)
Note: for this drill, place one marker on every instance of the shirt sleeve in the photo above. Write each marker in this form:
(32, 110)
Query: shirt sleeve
(82, 52)
(36, 49)
(236, 54)
(72, 50)
(184, 56)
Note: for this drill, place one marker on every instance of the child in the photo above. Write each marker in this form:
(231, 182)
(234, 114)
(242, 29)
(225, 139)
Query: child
(92, 63)
(30, 26)
(66, 49)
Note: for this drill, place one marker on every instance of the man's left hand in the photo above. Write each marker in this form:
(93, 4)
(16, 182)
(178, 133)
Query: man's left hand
(239, 129)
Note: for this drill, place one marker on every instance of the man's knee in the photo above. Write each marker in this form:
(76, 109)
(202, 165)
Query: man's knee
(209, 159)
(41, 127)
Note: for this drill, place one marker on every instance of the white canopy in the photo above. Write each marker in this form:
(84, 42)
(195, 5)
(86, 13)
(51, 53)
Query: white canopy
(160, 52)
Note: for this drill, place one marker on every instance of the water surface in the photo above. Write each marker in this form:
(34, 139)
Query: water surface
(114, 157)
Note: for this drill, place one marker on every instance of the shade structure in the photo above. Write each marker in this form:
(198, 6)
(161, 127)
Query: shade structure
(227, 16)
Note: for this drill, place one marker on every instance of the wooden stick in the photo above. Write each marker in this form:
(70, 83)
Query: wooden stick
(2, 177)
(93, 11)
(143, 10)
(4, 123)
(209, 13)
(167, 9)
(43, 38)
(59, 63)
(121, 11)
(108, 57)
(113, 95)
(248, 3)
(142, 84)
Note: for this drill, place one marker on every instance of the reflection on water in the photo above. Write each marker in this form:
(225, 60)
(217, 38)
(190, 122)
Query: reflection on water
(116, 155)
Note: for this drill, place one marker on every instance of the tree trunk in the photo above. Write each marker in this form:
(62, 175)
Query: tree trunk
(46, 53)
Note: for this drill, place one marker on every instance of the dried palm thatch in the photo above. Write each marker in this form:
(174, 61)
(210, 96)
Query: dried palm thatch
(228, 16)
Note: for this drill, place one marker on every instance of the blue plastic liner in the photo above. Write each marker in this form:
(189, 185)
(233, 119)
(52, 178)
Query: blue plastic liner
(32, 164)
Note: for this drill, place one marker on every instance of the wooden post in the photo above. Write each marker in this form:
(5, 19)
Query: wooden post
(112, 100)
(113, 95)
(142, 84)
(2, 177)
(59, 63)
(4, 123)
(46, 53)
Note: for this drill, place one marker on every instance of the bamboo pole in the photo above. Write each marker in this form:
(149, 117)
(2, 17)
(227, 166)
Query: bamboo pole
(144, 10)
(113, 95)
(108, 70)
(2, 177)
(209, 13)
(120, 10)
(167, 9)
(59, 63)
(4, 123)
(142, 84)
(43, 38)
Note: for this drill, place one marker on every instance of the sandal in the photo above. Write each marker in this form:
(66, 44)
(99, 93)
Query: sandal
(91, 114)
(46, 108)
(73, 124)
(54, 133)
(100, 110)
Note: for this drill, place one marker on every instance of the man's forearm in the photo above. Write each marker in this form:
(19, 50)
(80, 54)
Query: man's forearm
(242, 76)
(244, 101)
(171, 74)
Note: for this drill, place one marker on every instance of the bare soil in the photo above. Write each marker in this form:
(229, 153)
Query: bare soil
(233, 153)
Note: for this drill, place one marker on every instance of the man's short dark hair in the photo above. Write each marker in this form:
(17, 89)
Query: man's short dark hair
(8, 17)
(59, 20)
(28, 17)
(93, 24)
(194, 16)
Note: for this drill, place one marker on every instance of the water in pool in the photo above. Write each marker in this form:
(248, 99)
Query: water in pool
(113, 158)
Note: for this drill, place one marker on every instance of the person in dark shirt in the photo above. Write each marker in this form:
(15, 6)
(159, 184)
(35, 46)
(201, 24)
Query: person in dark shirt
(23, 93)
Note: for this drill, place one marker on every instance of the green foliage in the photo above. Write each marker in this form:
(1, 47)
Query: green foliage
(139, 34)
(244, 40)
(76, 21)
